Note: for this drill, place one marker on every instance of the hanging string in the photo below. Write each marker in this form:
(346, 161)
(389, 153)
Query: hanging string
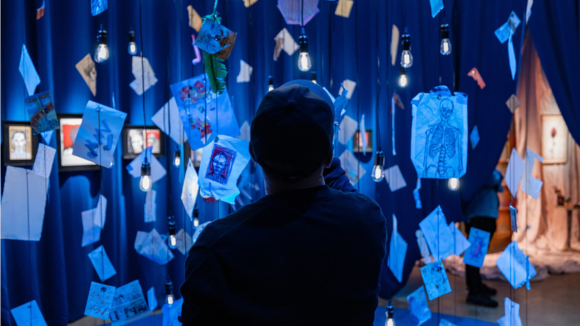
(145, 161)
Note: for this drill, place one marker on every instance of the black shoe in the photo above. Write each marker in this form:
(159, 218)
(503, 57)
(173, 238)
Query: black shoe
(481, 300)
(487, 290)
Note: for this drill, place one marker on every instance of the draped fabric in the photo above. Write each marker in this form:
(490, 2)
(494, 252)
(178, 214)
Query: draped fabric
(56, 271)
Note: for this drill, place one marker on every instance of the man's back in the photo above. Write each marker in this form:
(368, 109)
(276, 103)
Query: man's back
(304, 257)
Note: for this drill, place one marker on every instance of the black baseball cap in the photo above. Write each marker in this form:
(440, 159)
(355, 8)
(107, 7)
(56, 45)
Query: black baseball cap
(293, 129)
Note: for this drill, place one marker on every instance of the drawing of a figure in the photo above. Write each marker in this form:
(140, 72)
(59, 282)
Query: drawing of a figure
(221, 163)
(443, 145)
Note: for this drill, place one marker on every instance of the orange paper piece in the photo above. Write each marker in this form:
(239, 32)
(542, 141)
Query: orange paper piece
(40, 12)
(477, 77)
(194, 18)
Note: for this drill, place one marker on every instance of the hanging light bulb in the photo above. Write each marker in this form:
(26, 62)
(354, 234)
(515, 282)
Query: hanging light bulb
(390, 315)
(378, 173)
(453, 184)
(177, 158)
(313, 77)
(172, 242)
(132, 48)
(195, 217)
(270, 83)
(102, 52)
(403, 79)
(145, 182)
(406, 56)
(169, 298)
(445, 43)
(304, 63)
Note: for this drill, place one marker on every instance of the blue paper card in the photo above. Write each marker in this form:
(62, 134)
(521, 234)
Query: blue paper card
(212, 36)
(508, 29)
(436, 7)
(200, 108)
(41, 112)
(515, 265)
(437, 234)
(102, 264)
(98, 6)
(28, 314)
(152, 299)
(99, 300)
(418, 307)
(99, 133)
(475, 254)
(435, 279)
(28, 72)
(171, 313)
(474, 137)
(512, 314)
(128, 302)
(397, 252)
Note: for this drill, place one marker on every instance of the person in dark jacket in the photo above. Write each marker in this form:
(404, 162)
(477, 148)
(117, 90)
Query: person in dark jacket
(310, 251)
(481, 213)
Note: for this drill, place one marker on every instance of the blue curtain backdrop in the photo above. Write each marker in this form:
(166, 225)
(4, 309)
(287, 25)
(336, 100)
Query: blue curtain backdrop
(56, 271)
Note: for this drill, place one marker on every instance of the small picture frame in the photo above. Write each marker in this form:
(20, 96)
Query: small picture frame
(554, 139)
(357, 145)
(65, 138)
(20, 145)
(135, 139)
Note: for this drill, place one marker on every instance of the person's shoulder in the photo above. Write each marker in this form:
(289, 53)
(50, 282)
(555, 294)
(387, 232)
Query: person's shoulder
(358, 199)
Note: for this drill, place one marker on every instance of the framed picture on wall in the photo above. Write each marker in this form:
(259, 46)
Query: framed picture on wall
(19, 144)
(135, 139)
(65, 138)
(357, 144)
(554, 139)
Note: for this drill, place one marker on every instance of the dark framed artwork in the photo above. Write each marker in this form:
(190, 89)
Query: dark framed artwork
(357, 142)
(136, 138)
(20, 145)
(65, 138)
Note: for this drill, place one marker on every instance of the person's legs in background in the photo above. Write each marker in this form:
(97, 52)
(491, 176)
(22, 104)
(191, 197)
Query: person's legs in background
(479, 293)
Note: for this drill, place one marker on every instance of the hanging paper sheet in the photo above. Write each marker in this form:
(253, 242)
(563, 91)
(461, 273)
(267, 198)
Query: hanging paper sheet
(99, 133)
(194, 18)
(152, 299)
(418, 307)
(203, 112)
(169, 121)
(352, 168)
(284, 41)
(98, 6)
(43, 161)
(216, 39)
(508, 29)
(99, 300)
(531, 185)
(86, 68)
(512, 314)
(435, 279)
(423, 248)
(475, 254)
(102, 264)
(128, 302)
(28, 314)
(41, 112)
(474, 137)
(190, 189)
(397, 252)
(245, 72)
(437, 234)
(171, 313)
(157, 170)
(152, 246)
(222, 162)
(28, 72)
(515, 265)
(439, 134)
(293, 11)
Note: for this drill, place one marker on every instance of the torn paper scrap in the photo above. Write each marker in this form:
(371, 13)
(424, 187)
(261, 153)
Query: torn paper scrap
(28, 71)
(514, 172)
(436, 7)
(222, 162)
(150, 206)
(395, 178)
(86, 68)
(43, 161)
(347, 128)
(248, 3)
(40, 11)
(508, 29)
(139, 66)
(245, 131)
(352, 168)
(297, 11)
(394, 44)
(102, 264)
(460, 242)
(98, 6)
(41, 112)
(190, 189)
(343, 8)
(397, 252)
(216, 39)
(514, 218)
(47, 136)
(474, 73)
(157, 170)
(512, 103)
(152, 299)
(435, 279)
(137, 84)
(437, 234)
(512, 314)
(194, 18)
(474, 137)
(423, 248)
(28, 314)
(152, 246)
(515, 265)
(245, 72)
(531, 185)
(349, 86)
(101, 212)
(287, 43)
(128, 302)
(91, 232)
(418, 307)
(99, 133)
(23, 204)
(184, 241)
(475, 254)
(169, 121)
(99, 300)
